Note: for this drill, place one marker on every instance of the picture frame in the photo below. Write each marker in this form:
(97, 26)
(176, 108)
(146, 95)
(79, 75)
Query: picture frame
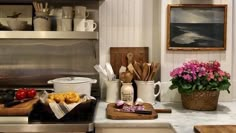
(16, 17)
(196, 27)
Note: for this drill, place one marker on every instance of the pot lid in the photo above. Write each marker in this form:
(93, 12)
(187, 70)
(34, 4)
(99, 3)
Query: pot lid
(71, 80)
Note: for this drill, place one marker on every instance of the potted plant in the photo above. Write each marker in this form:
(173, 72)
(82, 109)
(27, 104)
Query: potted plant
(199, 84)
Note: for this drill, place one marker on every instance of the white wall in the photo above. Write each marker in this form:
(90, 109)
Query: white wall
(138, 23)
(172, 59)
(234, 49)
(125, 23)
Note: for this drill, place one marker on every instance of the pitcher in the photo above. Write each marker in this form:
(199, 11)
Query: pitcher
(146, 90)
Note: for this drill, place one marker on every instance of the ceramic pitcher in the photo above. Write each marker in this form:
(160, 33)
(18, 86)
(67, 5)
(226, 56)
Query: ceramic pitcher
(146, 90)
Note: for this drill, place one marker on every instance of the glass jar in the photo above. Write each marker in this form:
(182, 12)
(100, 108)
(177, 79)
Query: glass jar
(127, 93)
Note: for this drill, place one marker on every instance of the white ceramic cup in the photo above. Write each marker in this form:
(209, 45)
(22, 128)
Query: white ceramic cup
(112, 91)
(90, 25)
(67, 12)
(59, 24)
(79, 24)
(81, 12)
(146, 90)
(66, 24)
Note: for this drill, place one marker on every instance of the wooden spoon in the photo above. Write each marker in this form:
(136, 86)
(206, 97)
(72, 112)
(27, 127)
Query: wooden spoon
(130, 57)
(145, 71)
(138, 68)
(132, 70)
(154, 70)
(149, 72)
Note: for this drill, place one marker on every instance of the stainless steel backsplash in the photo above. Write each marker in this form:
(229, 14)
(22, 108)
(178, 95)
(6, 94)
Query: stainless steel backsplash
(34, 62)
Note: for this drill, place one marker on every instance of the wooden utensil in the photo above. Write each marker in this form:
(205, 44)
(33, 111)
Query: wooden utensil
(132, 70)
(137, 68)
(145, 71)
(130, 57)
(149, 71)
(156, 66)
(118, 56)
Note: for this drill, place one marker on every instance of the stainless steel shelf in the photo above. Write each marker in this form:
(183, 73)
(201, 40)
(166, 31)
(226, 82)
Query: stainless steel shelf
(48, 35)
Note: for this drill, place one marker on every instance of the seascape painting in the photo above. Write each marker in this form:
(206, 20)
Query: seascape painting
(197, 28)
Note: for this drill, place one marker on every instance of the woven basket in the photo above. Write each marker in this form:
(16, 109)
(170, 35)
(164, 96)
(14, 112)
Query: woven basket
(200, 100)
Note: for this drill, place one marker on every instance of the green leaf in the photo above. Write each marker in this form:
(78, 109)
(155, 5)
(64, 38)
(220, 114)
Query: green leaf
(194, 87)
(186, 86)
(173, 87)
(200, 87)
(213, 84)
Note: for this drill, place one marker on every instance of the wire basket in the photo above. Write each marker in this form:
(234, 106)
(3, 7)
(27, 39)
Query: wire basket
(200, 100)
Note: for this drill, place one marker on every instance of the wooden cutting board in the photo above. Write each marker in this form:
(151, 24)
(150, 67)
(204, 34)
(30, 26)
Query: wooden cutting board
(118, 56)
(19, 109)
(112, 113)
(215, 129)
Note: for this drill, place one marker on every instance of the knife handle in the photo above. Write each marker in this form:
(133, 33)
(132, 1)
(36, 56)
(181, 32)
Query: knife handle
(163, 110)
(12, 103)
(145, 112)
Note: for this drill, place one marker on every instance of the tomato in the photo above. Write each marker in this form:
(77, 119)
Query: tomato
(22, 89)
(31, 93)
(21, 95)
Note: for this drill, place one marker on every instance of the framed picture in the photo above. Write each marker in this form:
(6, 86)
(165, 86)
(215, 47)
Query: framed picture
(196, 27)
(16, 17)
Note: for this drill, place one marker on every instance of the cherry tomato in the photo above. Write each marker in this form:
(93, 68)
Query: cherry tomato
(22, 89)
(21, 95)
(31, 93)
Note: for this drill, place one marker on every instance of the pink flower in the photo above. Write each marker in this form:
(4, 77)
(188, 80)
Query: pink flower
(221, 73)
(220, 79)
(187, 77)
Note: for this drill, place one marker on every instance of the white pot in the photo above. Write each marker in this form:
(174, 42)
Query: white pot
(78, 84)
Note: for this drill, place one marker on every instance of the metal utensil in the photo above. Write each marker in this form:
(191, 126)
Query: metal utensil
(144, 112)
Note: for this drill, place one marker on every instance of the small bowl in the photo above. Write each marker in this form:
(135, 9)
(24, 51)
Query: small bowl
(17, 24)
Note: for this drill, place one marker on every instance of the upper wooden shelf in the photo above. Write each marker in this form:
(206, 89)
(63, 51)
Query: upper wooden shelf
(48, 35)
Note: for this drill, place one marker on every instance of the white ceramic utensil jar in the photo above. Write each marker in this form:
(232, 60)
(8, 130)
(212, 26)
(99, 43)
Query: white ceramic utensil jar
(146, 90)
(112, 90)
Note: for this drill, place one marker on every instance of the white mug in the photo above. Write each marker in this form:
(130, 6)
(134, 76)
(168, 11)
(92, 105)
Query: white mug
(146, 90)
(67, 12)
(66, 24)
(59, 24)
(79, 24)
(81, 12)
(90, 25)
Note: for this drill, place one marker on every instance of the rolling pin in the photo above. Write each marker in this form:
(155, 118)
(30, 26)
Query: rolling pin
(163, 110)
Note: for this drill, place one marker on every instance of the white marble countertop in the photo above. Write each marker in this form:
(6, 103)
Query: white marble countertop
(181, 119)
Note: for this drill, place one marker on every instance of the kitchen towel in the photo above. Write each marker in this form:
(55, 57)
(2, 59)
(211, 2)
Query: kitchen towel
(61, 109)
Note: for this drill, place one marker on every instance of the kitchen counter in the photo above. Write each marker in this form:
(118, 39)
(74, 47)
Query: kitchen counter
(180, 119)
